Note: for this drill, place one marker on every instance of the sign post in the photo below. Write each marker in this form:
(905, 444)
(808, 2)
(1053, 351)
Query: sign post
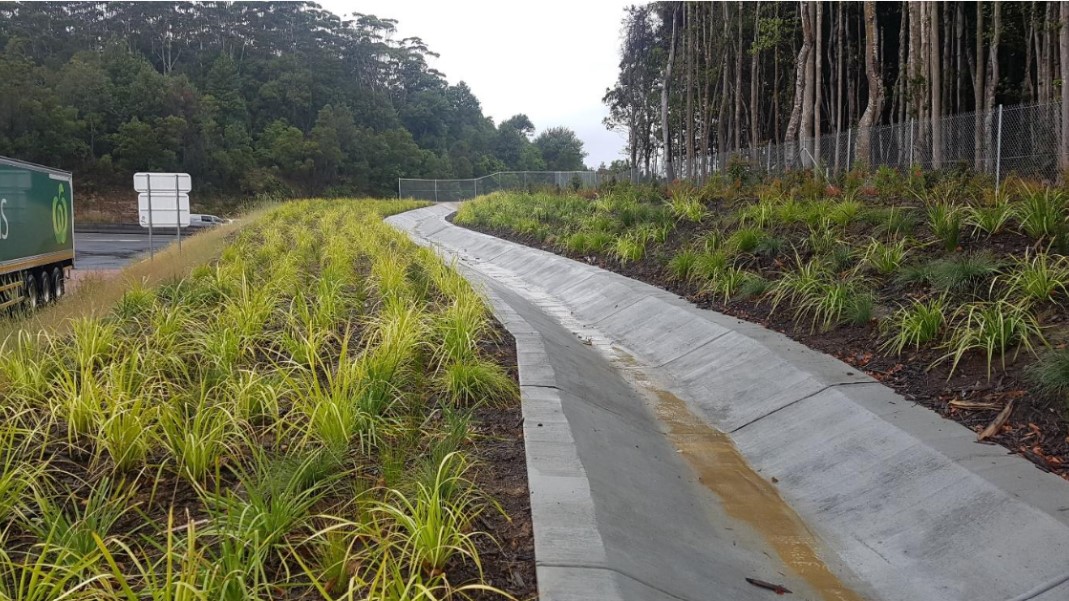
(167, 188)
(151, 248)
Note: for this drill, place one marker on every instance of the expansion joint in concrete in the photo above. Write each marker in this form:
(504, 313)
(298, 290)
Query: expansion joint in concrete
(795, 402)
(642, 582)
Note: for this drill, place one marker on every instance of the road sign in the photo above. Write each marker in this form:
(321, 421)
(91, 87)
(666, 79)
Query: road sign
(162, 182)
(164, 209)
(163, 201)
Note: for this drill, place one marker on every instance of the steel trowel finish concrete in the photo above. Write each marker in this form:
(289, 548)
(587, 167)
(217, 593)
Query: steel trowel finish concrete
(908, 505)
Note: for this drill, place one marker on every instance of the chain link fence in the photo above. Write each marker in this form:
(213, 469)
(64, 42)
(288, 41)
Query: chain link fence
(447, 190)
(1021, 139)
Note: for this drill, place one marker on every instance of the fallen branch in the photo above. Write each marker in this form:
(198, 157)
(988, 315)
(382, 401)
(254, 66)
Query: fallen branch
(996, 423)
(776, 588)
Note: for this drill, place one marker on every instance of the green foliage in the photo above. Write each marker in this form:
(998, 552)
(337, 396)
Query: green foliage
(476, 382)
(884, 258)
(993, 328)
(916, 324)
(686, 206)
(957, 273)
(989, 220)
(312, 102)
(683, 265)
(1037, 278)
(1050, 374)
(1042, 214)
(945, 220)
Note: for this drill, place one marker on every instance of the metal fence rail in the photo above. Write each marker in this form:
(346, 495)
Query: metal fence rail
(1021, 139)
(446, 190)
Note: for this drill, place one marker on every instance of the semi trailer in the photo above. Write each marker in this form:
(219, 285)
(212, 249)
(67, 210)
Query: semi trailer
(36, 233)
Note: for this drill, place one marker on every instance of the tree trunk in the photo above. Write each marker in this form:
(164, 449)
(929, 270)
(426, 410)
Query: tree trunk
(838, 81)
(1063, 55)
(800, 83)
(755, 76)
(992, 82)
(738, 81)
(979, 74)
(872, 74)
(935, 65)
(670, 171)
(818, 61)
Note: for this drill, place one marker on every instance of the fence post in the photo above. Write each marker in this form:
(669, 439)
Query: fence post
(910, 165)
(768, 160)
(998, 150)
(398, 187)
(435, 190)
(475, 182)
(849, 155)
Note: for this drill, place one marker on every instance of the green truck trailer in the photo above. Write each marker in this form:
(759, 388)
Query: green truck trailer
(36, 232)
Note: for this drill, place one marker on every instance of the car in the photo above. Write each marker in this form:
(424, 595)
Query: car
(207, 220)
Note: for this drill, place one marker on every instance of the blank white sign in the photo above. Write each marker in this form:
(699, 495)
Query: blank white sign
(162, 182)
(168, 209)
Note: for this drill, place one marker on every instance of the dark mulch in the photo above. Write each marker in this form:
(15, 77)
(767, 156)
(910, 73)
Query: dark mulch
(508, 564)
(1037, 428)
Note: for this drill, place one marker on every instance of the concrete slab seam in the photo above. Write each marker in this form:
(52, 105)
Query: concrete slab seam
(795, 402)
(617, 572)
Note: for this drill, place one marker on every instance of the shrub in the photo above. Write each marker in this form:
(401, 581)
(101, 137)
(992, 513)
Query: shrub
(1042, 214)
(895, 222)
(915, 324)
(1050, 374)
(885, 258)
(989, 220)
(945, 220)
(745, 239)
(1037, 278)
(628, 249)
(682, 265)
(686, 206)
(710, 263)
(959, 273)
(992, 328)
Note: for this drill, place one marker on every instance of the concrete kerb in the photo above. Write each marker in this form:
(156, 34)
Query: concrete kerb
(909, 501)
(569, 553)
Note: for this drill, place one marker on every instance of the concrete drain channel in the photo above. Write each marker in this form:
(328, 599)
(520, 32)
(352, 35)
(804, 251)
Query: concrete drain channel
(675, 453)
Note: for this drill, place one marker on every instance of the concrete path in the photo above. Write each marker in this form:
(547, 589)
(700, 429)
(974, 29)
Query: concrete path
(674, 452)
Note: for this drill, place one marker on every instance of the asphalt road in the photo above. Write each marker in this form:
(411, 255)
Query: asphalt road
(113, 250)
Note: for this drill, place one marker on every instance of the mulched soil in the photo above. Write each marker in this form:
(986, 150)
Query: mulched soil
(510, 563)
(1037, 428)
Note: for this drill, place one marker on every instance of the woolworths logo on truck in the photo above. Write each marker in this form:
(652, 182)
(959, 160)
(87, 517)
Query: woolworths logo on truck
(61, 216)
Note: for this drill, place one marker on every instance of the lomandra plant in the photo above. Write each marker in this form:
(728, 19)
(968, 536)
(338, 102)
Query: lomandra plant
(1038, 277)
(992, 328)
(434, 524)
(885, 258)
(916, 324)
(945, 220)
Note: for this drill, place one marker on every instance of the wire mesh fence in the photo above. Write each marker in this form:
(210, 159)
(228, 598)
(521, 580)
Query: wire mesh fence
(1022, 139)
(447, 190)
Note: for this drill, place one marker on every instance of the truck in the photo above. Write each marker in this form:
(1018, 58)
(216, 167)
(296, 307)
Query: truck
(36, 233)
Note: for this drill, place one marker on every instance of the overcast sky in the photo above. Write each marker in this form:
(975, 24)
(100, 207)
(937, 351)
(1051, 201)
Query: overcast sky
(552, 60)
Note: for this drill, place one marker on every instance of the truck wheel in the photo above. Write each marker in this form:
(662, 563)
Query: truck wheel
(29, 289)
(46, 288)
(59, 287)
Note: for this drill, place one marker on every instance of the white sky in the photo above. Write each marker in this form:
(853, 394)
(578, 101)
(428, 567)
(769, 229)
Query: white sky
(549, 59)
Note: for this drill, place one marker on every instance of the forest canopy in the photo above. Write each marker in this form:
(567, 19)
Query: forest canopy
(248, 97)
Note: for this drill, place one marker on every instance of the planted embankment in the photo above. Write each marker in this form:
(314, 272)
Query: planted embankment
(901, 503)
(323, 410)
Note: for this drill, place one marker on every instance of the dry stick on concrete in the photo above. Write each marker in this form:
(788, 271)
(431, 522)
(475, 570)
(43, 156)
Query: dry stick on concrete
(776, 588)
(1000, 419)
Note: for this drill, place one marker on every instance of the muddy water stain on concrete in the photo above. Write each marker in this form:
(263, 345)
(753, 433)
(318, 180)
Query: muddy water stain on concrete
(747, 496)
